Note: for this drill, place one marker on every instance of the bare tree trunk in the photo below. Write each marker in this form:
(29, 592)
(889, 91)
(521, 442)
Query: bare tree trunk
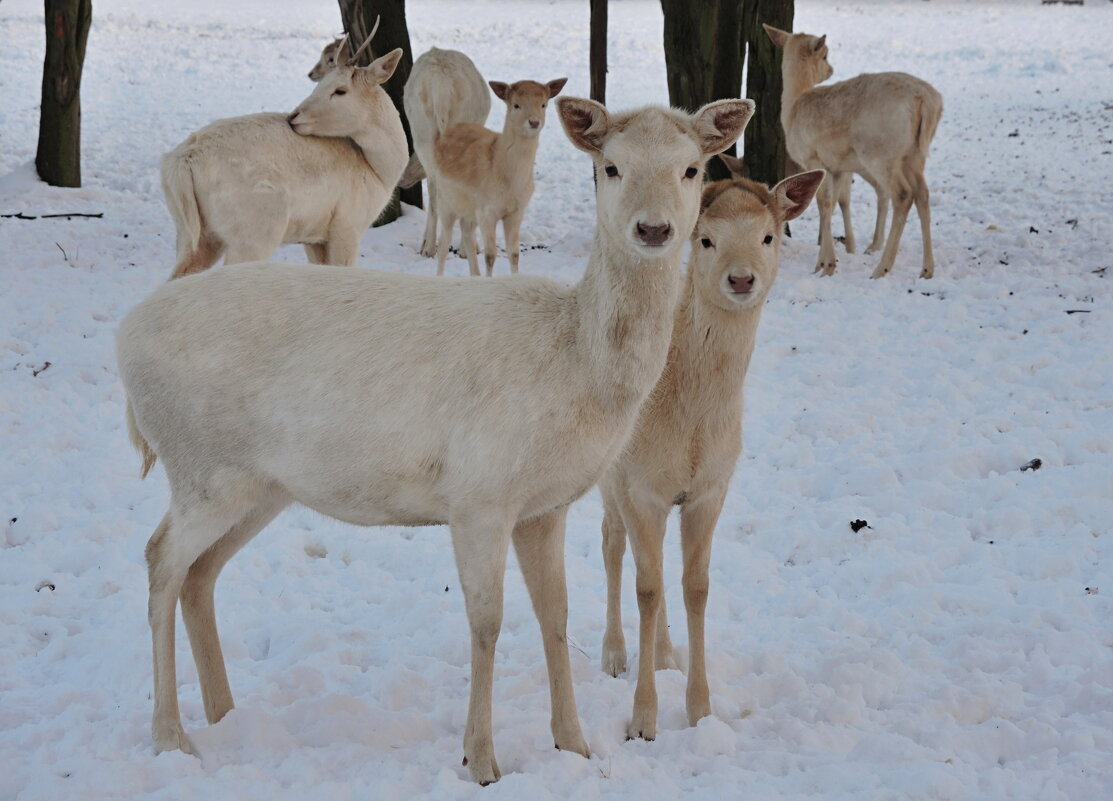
(358, 17)
(703, 55)
(598, 57)
(58, 159)
(765, 157)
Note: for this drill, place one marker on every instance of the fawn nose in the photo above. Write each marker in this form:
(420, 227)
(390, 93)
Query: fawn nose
(535, 124)
(741, 284)
(654, 235)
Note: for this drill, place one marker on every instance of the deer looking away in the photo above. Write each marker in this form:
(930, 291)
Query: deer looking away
(878, 125)
(689, 432)
(444, 88)
(337, 388)
(243, 186)
(484, 177)
(335, 52)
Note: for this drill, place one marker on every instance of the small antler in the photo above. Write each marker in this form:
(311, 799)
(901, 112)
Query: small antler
(367, 41)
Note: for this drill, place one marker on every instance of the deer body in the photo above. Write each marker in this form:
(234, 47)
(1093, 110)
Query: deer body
(444, 88)
(339, 388)
(245, 185)
(878, 125)
(484, 177)
(689, 432)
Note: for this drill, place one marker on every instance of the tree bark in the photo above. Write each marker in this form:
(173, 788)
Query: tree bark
(598, 55)
(765, 158)
(358, 17)
(703, 55)
(58, 158)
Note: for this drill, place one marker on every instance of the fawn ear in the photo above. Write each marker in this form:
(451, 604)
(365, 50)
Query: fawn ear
(737, 169)
(793, 194)
(586, 123)
(780, 38)
(554, 87)
(718, 125)
(501, 90)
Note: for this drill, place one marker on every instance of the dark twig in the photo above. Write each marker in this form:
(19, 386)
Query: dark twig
(64, 256)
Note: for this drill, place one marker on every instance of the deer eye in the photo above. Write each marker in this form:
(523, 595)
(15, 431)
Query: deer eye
(611, 171)
(768, 239)
(691, 172)
(706, 242)
(516, 106)
(341, 92)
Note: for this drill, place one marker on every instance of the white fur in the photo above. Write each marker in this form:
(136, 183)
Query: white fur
(444, 88)
(380, 398)
(245, 185)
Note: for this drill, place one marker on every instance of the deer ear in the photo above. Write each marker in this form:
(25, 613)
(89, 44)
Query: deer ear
(718, 125)
(343, 50)
(780, 38)
(737, 169)
(556, 86)
(586, 123)
(793, 194)
(382, 68)
(501, 90)
(820, 43)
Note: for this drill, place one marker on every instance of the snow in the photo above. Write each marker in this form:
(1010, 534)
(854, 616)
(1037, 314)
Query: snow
(958, 647)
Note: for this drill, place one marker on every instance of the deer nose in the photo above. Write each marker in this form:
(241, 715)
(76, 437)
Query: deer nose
(741, 285)
(654, 235)
(535, 123)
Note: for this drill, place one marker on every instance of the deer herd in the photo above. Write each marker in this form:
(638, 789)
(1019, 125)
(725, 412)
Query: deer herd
(380, 398)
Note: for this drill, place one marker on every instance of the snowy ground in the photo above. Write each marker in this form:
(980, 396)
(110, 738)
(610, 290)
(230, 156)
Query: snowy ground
(959, 647)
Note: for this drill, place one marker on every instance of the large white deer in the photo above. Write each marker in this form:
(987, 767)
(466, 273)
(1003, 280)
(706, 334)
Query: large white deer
(243, 186)
(689, 432)
(444, 88)
(337, 388)
(878, 125)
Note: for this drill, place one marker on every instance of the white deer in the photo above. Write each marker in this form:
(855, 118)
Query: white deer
(689, 433)
(444, 88)
(243, 186)
(878, 125)
(337, 388)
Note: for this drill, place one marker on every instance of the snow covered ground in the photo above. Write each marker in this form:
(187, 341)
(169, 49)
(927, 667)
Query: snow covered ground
(959, 647)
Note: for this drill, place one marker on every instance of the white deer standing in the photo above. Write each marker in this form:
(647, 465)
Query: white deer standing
(878, 125)
(337, 388)
(243, 186)
(444, 88)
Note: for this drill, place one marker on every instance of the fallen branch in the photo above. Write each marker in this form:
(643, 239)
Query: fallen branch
(19, 215)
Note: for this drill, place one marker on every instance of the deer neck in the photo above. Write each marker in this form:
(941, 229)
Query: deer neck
(514, 155)
(625, 308)
(383, 143)
(712, 347)
(797, 81)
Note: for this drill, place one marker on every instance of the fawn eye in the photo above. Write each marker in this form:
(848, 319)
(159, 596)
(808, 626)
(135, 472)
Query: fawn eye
(691, 172)
(341, 92)
(706, 242)
(768, 239)
(516, 106)
(611, 171)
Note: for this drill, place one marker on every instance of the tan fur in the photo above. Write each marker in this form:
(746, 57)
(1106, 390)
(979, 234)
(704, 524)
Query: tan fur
(689, 432)
(339, 388)
(245, 185)
(878, 125)
(332, 54)
(444, 88)
(484, 177)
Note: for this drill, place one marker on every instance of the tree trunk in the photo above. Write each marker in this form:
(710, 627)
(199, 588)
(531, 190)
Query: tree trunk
(765, 158)
(598, 57)
(58, 159)
(359, 18)
(703, 55)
